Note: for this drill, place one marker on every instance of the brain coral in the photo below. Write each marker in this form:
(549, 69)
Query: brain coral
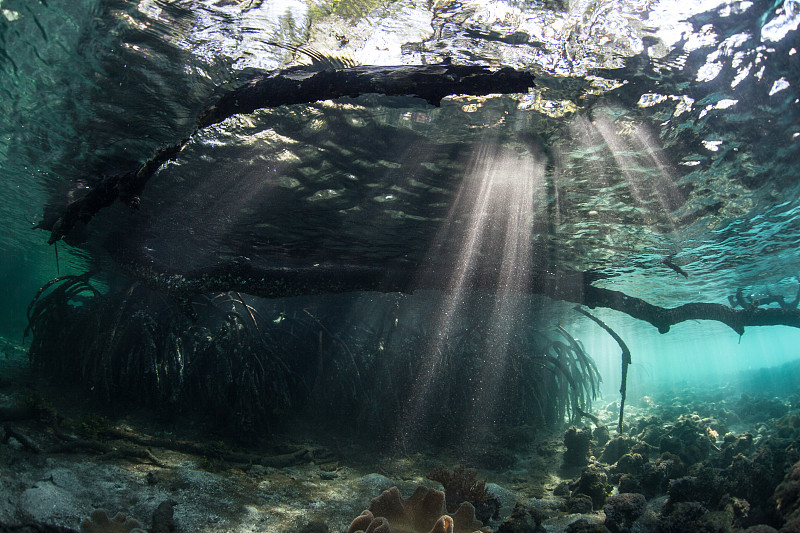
(98, 522)
(423, 512)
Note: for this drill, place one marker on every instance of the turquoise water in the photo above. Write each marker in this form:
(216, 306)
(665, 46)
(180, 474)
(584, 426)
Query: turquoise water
(364, 288)
(668, 134)
(671, 139)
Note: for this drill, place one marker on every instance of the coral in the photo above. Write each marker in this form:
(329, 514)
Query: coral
(577, 442)
(791, 527)
(594, 484)
(622, 510)
(690, 437)
(523, 520)
(616, 448)
(734, 445)
(628, 483)
(686, 516)
(584, 526)
(98, 522)
(787, 495)
(460, 486)
(601, 435)
(423, 512)
(705, 487)
(657, 476)
(760, 528)
(749, 408)
(562, 489)
(788, 426)
(630, 463)
(580, 503)
(315, 527)
(163, 521)
(755, 478)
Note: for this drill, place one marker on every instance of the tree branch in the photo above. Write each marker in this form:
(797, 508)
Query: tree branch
(429, 82)
(663, 318)
(296, 86)
(564, 285)
(626, 360)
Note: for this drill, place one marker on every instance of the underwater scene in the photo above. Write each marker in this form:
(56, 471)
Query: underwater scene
(400, 266)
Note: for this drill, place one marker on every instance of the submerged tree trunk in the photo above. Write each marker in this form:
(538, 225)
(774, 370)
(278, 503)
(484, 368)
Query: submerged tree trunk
(296, 86)
(564, 285)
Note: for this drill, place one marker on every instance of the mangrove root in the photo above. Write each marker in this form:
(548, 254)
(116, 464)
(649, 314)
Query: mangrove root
(626, 360)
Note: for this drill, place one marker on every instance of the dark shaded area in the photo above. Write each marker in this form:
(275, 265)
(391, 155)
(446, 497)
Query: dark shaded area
(249, 364)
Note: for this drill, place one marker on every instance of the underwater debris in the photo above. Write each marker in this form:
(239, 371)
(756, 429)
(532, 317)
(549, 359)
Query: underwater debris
(423, 512)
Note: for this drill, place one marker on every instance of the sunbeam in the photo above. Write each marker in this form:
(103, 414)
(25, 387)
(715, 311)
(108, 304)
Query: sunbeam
(491, 224)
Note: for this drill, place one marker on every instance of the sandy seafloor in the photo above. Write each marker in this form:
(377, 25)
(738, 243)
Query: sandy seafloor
(729, 444)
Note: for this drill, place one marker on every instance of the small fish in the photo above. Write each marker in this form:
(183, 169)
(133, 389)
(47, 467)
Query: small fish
(668, 262)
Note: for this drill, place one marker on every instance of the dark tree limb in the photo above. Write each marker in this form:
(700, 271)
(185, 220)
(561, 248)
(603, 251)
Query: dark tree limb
(429, 82)
(753, 301)
(564, 285)
(663, 318)
(126, 186)
(12, 433)
(137, 446)
(211, 450)
(297, 86)
(626, 360)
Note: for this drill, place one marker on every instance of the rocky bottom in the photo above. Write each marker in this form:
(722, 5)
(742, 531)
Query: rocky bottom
(700, 461)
